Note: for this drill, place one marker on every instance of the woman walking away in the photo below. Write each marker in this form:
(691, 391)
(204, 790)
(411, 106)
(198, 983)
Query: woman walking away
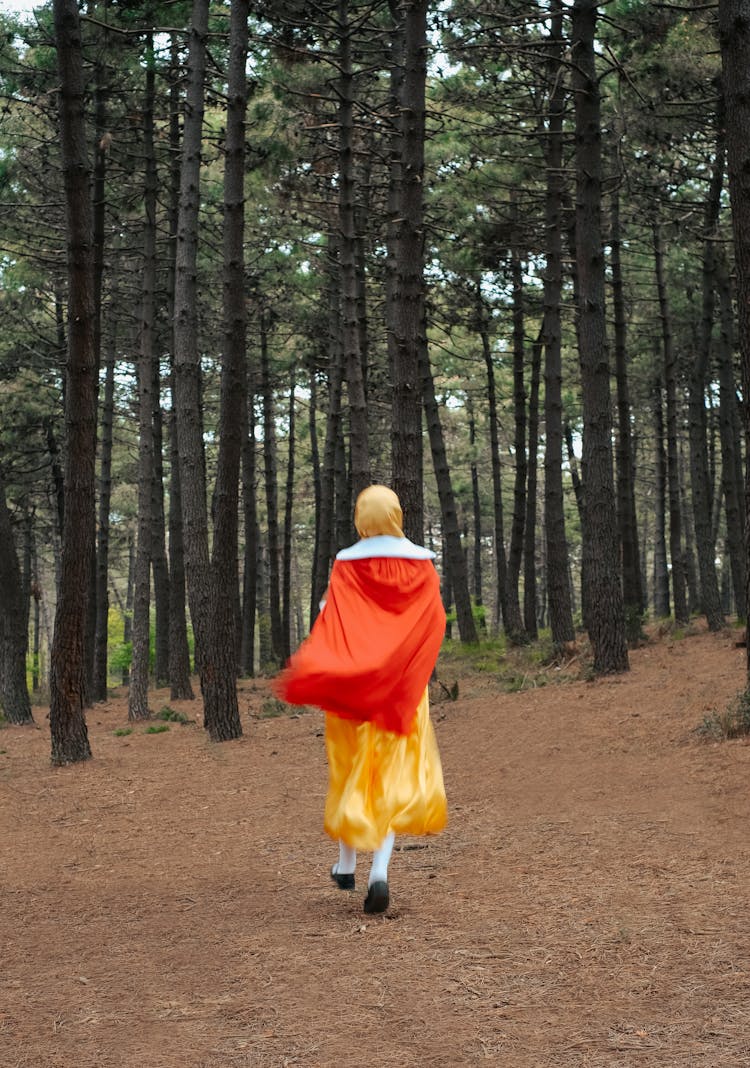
(367, 663)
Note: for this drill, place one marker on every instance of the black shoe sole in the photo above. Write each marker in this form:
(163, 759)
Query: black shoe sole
(377, 898)
(343, 881)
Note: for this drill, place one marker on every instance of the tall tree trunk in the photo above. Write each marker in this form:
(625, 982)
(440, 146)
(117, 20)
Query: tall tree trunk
(734, 39)
(691, 570)
(514, 623)
(186, 354)
(159, 562)
(139, 668)
(575, 479)
(700, 481)
(626, 515)
(250, 516)
(661, 573)
(317, 488)
(265, 647)
(405, 286)
(350, 332)
(180, 688)
(475, 502)
(270, 467)
(101, 147)
(679, 577)
(730, 445)
(286, 584)
(529, 549)
(14, 693)
(99, 691)
(556, 544)
(325, 533)
(36, 593)
(67, 677)
(501, 574)
(600, 548)
(219, 681)
(457, 561)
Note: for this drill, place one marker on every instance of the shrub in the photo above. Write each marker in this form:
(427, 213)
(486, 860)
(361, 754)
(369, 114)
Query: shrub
(732, 722)
(169, 715)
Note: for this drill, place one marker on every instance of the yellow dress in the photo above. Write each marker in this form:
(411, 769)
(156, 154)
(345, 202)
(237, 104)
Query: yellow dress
(380, 781)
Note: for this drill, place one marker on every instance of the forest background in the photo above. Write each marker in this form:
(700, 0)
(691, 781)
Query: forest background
(255, 257)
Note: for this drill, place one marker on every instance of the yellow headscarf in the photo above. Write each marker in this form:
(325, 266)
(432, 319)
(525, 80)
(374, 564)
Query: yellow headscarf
(378, 511)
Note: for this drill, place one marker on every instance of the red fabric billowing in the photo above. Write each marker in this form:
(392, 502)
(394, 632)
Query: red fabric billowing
(372, 649)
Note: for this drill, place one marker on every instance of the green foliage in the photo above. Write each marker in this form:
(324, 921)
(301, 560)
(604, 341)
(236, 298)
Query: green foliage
(634, 620)
(122, 732)
(120, 658)
(157, 728)
(731, 722)
(171, 716)
(485, 656)
(273, 707)
(514, 669)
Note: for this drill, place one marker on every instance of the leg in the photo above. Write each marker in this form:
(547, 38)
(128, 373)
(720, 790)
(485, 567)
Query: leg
(342, 872)
(377, 893)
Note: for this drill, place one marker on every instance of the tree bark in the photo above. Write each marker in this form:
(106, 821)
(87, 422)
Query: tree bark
(216, 665)
(661, 573)
(99, 691)
(457, 561)
(180, 687)
(529, 549)
(513, 623)
(676, 552)
(14, 693)
(286, 582)
(606, 613)
(70, 742)
(625, 462)
(731, 448)
(139, 668)
(700, 481)
(159, 562)
(98, 192)
(556, 544)
(270, 467)
(734, 40)
(219, 681)
(501, 575)
(405, 285)
(325, 533)
(350, 332)
(475, 502)
(250, 516)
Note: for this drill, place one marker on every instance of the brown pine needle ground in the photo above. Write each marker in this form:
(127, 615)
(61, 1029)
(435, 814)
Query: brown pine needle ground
(167, 905)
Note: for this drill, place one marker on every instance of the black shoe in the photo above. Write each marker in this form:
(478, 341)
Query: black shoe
(377, 898)
(343, 881)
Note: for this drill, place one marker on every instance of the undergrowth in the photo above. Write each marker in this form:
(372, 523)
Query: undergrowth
(170, 716)
(514, 667)
(731, 722)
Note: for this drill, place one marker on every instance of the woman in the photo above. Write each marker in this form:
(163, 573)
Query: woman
(367, 662)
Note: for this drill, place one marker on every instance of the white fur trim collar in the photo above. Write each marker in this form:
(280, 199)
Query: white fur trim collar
(385, 545)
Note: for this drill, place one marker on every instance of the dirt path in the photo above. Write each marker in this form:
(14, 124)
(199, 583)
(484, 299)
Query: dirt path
(167, 904)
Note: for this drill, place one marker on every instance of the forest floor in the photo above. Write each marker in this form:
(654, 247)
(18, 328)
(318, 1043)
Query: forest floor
(167, 904)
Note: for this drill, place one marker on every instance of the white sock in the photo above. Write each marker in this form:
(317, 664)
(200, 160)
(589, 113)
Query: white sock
(380, 858)
(347, 861)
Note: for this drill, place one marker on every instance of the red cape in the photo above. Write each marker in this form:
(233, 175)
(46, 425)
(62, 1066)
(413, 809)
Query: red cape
(372, 649)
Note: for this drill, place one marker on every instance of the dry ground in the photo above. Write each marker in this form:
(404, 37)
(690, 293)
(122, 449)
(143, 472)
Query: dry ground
(167, 904)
